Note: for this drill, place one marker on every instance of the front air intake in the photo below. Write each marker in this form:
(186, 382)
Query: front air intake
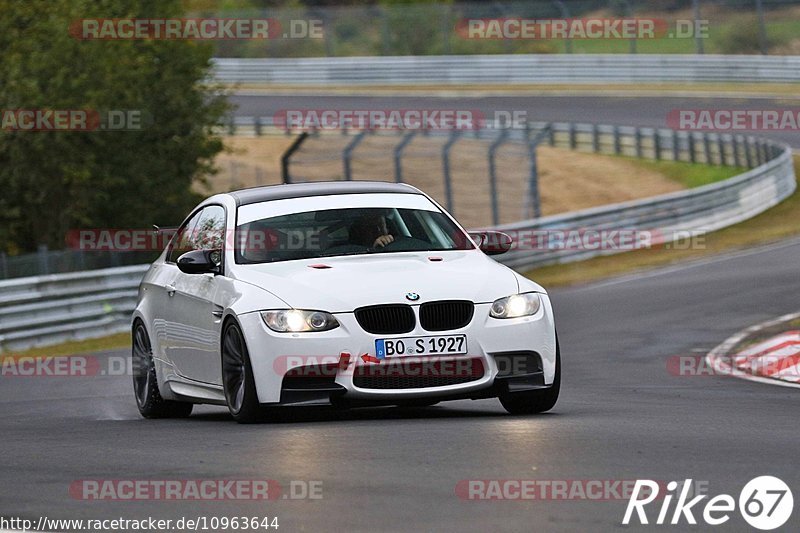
(445, 315)
(387, 319)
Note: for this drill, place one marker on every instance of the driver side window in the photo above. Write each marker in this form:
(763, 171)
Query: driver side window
(204, 231)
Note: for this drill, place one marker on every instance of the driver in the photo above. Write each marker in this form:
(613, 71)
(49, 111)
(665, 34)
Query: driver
(370, 230)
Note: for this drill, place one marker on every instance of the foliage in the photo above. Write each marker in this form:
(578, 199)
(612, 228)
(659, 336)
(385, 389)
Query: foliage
(53, 181)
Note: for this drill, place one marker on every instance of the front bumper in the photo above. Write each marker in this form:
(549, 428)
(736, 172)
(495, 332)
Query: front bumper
(489, 343)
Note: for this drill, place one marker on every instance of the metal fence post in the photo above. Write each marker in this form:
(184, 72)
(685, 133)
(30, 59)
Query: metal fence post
(707, 148)
(617, 142)
(551, 135)
(748, 152)
(721, 149)
(533, 185)
(629, 13)
(385, 48)
(448, 183)
(493, 175)
(692, 147)
(573, 138)
(44, 264)
(234, 177)
(257, 126)
(446, 17)
(566, 16)
(285, 176)
(698, 39)
(329, 34)
(676, 147)
(4, 264)
(347, 154)
(736, 154)
(638, 136)
(762, 27)
(595, 139)
(657, 144)
(398, 155)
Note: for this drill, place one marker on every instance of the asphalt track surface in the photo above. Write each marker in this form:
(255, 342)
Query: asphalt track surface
(621, 416)
(648, 110)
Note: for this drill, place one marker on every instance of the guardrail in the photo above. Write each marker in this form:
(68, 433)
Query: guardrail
(667, 217)
(508, 69)
(50, 309)
(44, 310)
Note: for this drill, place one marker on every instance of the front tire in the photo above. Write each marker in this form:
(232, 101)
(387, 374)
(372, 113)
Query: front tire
(536, 401)
(145, 383)
(237, 377)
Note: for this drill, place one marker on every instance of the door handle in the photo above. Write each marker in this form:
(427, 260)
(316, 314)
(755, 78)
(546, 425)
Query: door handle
(170, 290)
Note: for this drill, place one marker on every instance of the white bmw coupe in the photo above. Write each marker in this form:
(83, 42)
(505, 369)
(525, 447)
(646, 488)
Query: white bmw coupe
(344, 293)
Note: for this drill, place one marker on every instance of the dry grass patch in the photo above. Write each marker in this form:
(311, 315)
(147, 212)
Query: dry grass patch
(569, 180)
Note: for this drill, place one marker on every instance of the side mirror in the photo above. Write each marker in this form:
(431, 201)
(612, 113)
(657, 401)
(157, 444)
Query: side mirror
(201, 262)
(492, 242)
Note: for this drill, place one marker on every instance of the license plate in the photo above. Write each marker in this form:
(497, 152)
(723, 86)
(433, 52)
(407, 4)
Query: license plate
(433, 345)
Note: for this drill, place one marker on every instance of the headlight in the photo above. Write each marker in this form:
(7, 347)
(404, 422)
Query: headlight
(516, 305)
(297, 320)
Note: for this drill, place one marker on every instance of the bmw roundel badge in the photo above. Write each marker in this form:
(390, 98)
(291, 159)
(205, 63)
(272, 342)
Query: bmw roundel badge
(413, 296)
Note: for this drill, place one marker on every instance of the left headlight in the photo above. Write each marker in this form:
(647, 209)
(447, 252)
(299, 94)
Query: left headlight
(298, 320)
(516, 305)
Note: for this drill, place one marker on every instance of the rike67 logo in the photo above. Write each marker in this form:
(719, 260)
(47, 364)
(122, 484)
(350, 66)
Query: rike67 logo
(765, 503)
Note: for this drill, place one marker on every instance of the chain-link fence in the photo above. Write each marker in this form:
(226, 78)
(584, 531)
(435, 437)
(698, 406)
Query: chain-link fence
(680, 27)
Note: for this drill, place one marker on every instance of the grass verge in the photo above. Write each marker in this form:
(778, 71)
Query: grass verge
(101, 344)
(689, 174)
(777, 223)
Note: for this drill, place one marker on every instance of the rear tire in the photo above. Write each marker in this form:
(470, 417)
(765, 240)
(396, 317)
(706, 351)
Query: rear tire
(237, 377)
(536, 401)
(145, 384)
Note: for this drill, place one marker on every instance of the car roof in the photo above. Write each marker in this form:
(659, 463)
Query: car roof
(255, 195)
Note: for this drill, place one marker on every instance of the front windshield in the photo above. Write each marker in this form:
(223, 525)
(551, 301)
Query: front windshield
(347, 231)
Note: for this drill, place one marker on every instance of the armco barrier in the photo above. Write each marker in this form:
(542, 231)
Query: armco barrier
(669, 216)
(508, 69)
(50, 309)
(43, 310)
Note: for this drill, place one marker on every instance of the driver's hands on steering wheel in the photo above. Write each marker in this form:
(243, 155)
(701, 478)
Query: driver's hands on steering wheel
(382, 241)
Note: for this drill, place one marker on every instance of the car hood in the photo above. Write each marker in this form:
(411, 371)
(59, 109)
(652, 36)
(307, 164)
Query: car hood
(356, 281)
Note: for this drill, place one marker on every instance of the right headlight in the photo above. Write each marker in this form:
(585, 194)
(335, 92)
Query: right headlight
(516, 305)
(298, 320)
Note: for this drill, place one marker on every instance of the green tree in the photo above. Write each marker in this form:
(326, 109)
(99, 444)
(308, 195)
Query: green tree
(53, 181)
